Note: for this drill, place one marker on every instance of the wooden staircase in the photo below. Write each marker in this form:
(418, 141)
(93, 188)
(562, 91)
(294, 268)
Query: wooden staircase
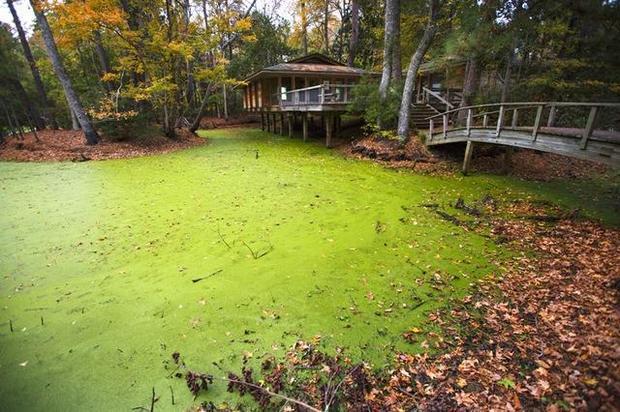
(420, 112)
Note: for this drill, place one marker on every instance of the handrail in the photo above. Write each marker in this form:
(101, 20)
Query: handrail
(340, 94)
(515, 107)
(437, 96)
(530, 104)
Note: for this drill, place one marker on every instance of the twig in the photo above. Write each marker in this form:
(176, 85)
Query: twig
(153, 400)
(196, 280)
(11, 325)
(256, 255)
(276, 395)
(222, 237)
(171, 394)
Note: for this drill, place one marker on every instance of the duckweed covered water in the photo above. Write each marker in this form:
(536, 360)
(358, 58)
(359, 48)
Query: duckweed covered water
(285, 241)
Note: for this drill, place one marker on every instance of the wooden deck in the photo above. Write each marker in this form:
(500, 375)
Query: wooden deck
(584, 142)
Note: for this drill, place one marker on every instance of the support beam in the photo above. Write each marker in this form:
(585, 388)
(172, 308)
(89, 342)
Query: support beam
(290, 124)
(268, 119)
(304, 124)
(329, 126)
(262, 121)
(281, 124)
(469, 150)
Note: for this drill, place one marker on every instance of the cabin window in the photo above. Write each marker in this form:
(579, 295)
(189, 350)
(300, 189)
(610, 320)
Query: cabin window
(283, 93)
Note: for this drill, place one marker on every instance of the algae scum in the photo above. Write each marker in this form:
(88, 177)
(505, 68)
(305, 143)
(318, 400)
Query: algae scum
(239, 247)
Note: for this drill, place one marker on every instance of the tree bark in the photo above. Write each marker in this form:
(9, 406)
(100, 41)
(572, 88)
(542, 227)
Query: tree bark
(196, 123)
(304, 27)
(102, 56)
(397, 67)
(33, 69)
(388, 47)
(470, 85)
(74, 101)
(326, 27)
(414, 65)
(355, 31)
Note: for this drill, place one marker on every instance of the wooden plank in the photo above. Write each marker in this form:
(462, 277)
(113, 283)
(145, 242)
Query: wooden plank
(445, 125)
(515, 117)
(485, 120)
(539, 111)
(430, 129)
(469, 118)
(587, 133)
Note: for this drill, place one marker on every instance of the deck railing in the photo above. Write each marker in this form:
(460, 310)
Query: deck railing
(529, 116)
(323, 94)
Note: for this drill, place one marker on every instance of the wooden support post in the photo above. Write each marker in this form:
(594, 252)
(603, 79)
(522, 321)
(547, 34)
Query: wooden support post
(539, 111)
(274, 123)
(469, 119)
(551, 119)
(304, 122)
(281, 124)
(262, 121)
(587, 133)
(485, 120)
(469, 150)
(515, 118)
(268, 122)
(329, 125)
(445, 126)
(500, 121)
(289, 121)
(430, 129)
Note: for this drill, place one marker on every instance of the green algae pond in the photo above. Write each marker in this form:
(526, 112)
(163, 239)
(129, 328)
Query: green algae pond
(236, 248)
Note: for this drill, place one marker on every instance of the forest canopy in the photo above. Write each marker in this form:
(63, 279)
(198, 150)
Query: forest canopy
(132, 63)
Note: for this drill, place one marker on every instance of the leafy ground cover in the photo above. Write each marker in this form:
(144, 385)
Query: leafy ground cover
(229, 252)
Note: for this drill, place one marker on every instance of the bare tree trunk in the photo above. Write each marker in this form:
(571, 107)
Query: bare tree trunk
(304, 27)
(196, 123)
(34, 70)
(59, 69)
(507, 75)
(472, 76)
(102, 56)
(326, 27)
(388, 47)
(355, 31)
(225, 99)
(397, 67)
(414, 65)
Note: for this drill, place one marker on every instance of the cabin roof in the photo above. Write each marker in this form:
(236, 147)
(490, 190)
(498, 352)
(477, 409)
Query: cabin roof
(311, 63)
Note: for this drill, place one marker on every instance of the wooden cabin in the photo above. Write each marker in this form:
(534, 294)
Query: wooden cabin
(312, 85)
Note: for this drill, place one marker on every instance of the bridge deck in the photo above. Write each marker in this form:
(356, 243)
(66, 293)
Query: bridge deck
(587, 143)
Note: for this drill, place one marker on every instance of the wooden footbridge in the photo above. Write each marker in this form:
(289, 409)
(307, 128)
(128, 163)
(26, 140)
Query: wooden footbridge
(587, 131)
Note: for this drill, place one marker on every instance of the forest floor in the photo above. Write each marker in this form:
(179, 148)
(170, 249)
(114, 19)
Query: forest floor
(526, 164)
(230, 253)
(69, 145)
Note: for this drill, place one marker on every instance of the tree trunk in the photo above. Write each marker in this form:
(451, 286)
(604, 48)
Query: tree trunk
(388, 47)
(33, 69)
(102, 56)
(470, 85)
(414, 65)
(507, 75)
(326, 27)
(225, 100)
(196, 123)
(59, 69)
(355, 31)
(397, 67)
(304, 27)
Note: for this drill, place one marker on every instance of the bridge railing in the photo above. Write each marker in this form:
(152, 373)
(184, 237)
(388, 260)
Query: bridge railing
(536, 117)
(322, 94)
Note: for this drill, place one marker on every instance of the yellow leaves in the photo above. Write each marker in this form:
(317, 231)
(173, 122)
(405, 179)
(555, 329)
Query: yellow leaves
(181, 48)
(110, 77)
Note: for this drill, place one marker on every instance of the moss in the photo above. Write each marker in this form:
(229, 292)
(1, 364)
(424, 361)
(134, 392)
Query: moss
(98, 259)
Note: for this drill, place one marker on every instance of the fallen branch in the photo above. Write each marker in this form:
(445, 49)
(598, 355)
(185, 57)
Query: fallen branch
(196, 280)
(275, 395)
(257, 255)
